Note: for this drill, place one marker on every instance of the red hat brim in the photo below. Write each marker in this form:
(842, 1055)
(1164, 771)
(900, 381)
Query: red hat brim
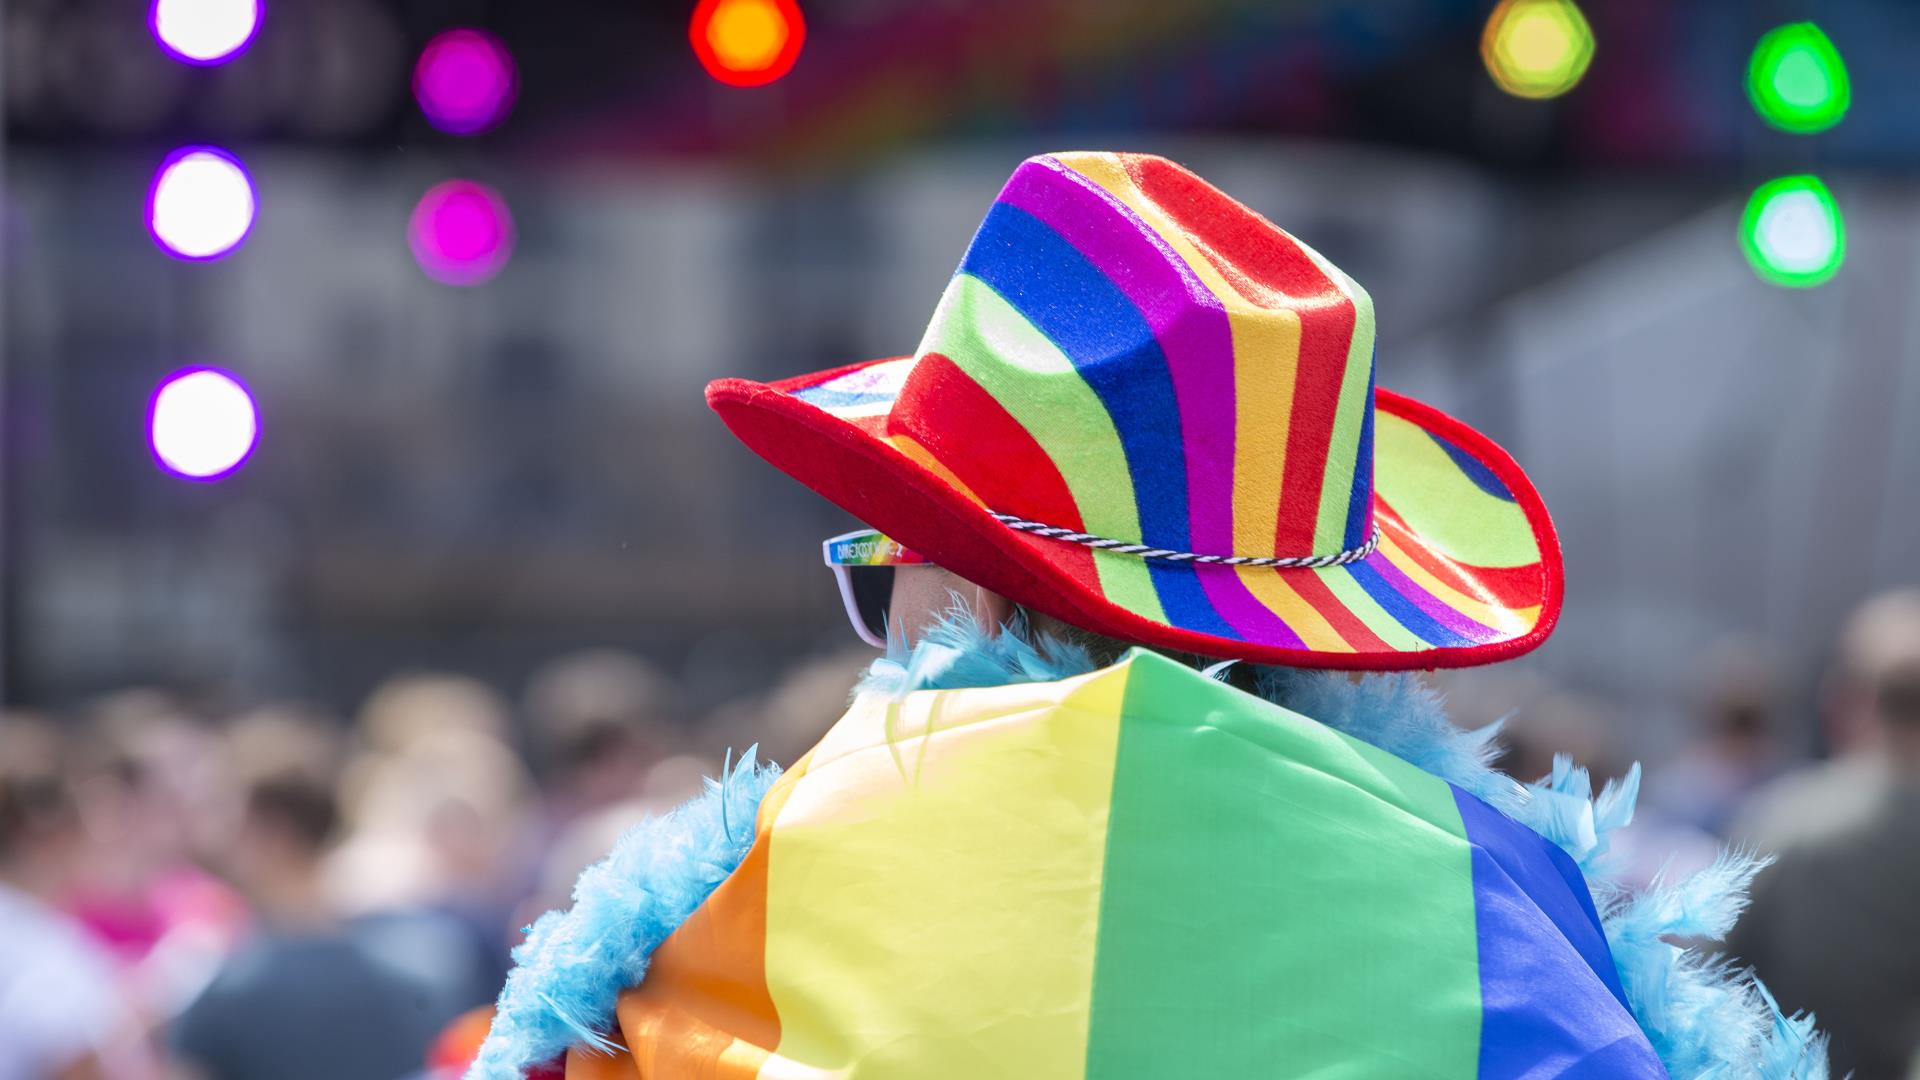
(856, 468)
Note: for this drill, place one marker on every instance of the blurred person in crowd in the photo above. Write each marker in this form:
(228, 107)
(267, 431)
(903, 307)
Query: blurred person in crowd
(597, 722)
(1845, 789)
(601, 724)
(302, 996)
(152, 789)
(434, 797)
(1125, 830)
(63, 1015)
(442, 835)
(1555, 725)
(415, 705)
(589, 836)
(1736, 749)
(1541, 722)
(1834, 925)
(790, 717)
(285, 737)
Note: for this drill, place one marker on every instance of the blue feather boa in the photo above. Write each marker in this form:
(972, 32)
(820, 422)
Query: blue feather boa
(1706, 1021)
(570, 970)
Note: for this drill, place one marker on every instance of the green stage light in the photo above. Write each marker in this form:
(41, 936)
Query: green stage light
(1792, 232)
(1537, 48)
(1797, 81)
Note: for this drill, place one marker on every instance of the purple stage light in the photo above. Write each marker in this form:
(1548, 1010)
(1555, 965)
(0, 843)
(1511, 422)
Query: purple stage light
(202, 423)
(461, 233)
(204, 32)
(201, 205)
(465, 81)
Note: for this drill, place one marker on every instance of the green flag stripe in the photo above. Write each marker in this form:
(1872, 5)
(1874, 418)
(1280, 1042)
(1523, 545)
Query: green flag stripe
(1278, 899)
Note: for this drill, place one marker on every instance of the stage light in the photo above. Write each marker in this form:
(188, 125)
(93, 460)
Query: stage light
(461, 233)
(1792, 232)
(747, 42)
(204, 31)
(1537, 48)
(465, 81)
(202, 423)
(1797, 80)
(201, 205)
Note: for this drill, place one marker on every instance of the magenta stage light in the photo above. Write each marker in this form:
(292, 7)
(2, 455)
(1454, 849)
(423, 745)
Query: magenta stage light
(201, 205)
(202, 423)
(461, 233)
(465, 81)
(204, 31)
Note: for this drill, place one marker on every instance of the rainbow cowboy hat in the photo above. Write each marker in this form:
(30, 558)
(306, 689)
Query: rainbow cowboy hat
(1147, 411)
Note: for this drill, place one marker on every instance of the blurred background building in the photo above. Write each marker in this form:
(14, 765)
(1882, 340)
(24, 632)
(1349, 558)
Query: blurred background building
(480, 476)
(459, 270)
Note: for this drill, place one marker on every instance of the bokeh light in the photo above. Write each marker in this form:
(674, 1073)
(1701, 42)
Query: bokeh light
(1792, 232)
(465, 81)
(747, 42)
(201, 205)
(204, 31)
(202, 423)
(1797, 80)
(1537, 48)
(461, 233)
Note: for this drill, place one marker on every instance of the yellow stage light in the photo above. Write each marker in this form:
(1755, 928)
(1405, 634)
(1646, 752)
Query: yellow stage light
(1537, 48)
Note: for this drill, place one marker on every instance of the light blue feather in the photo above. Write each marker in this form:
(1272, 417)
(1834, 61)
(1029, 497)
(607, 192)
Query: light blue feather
(957, 654)
(573, 964)
(1706, 1021)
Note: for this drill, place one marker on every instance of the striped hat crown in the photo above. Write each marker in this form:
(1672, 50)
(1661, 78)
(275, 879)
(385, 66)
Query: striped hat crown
(1144, 410)
(1249, 436)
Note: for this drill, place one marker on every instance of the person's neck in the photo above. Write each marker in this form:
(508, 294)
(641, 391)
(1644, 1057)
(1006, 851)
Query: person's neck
(292, 899)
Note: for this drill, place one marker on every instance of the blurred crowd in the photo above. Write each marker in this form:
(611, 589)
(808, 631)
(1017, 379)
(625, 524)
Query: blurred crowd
(1828, 790)
(286, 893)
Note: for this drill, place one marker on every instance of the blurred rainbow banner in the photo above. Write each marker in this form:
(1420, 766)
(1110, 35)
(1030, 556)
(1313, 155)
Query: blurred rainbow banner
(1140, 872)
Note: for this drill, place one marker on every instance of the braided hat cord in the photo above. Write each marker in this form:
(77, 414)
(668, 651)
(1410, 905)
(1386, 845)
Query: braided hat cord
(1145, 551)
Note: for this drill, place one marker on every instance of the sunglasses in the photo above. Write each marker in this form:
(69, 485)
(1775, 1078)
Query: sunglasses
(863, 563)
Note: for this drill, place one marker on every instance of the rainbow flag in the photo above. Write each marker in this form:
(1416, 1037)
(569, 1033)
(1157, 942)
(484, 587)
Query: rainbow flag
(1139, 872)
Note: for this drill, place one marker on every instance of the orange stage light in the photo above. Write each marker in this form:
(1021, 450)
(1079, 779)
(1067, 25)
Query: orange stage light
(747, 42)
